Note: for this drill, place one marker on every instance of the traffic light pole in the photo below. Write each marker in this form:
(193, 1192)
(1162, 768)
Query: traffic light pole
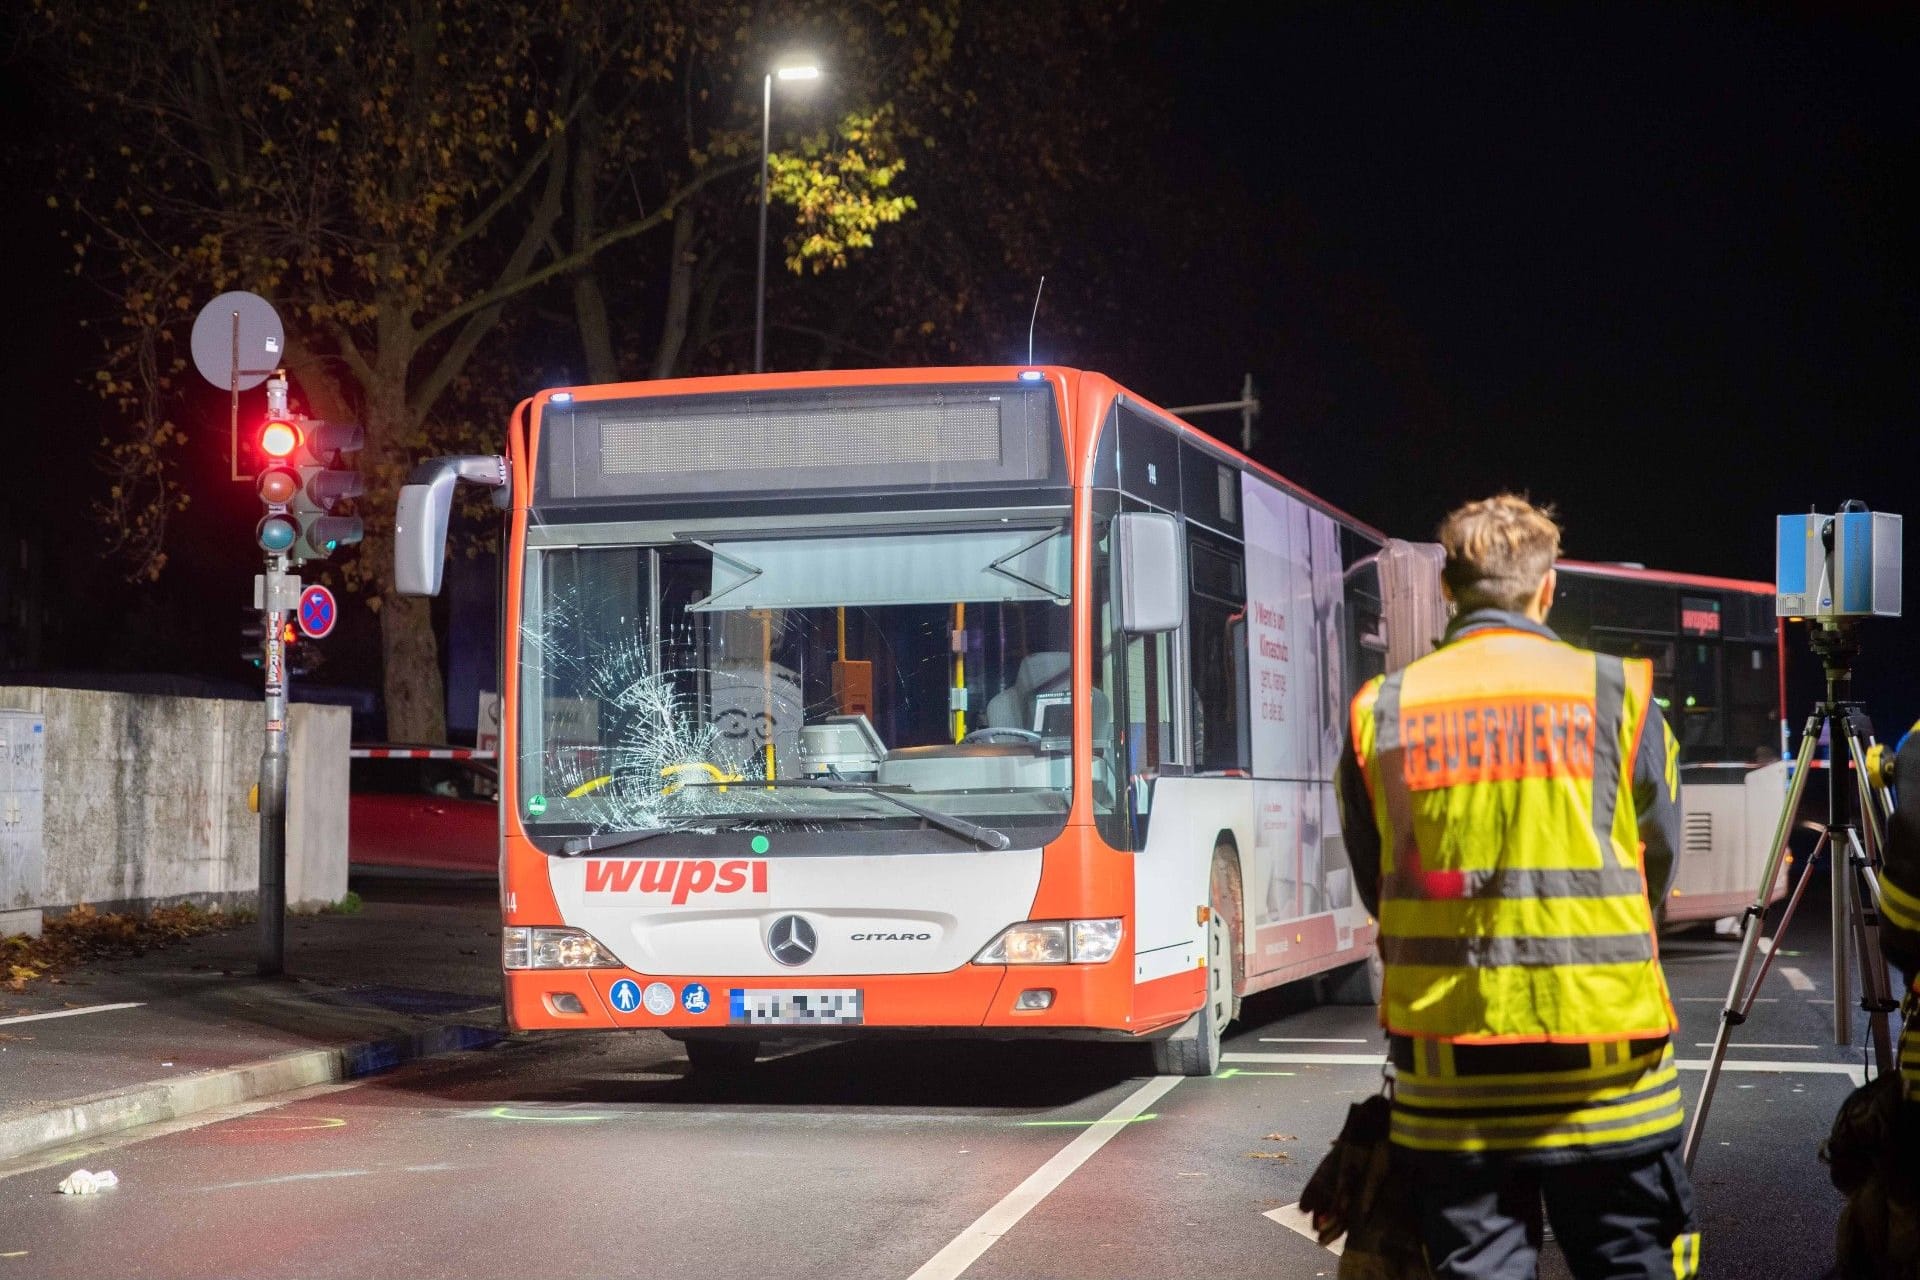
(300, 484)
(273, 755)
(273, 788)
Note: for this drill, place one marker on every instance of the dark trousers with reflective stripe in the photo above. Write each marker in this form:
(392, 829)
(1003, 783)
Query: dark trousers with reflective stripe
(1481, 1219)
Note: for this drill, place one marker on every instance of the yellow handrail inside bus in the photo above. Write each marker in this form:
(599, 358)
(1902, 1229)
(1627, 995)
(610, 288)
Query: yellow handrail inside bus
(960, 672)
(713, 771)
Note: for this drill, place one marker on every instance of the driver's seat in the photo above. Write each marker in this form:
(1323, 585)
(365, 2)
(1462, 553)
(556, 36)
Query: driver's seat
(1045, 672)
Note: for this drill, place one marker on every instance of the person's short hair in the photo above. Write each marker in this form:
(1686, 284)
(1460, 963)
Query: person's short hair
(1498, 551)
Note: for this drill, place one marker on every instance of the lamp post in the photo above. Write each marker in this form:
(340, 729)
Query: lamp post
(798, 70)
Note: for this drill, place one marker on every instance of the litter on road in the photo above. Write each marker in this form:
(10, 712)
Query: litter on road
(84, 1182)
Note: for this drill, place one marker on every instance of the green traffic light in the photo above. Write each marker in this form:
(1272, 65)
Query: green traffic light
(275, 534)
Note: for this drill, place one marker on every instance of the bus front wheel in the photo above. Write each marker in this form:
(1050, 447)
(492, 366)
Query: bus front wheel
(1194, 1050)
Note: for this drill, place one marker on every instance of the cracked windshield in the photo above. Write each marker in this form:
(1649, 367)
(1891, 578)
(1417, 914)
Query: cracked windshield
(799, 679)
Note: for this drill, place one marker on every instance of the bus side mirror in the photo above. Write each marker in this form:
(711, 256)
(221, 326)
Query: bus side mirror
(1150, 572)
(420, 519)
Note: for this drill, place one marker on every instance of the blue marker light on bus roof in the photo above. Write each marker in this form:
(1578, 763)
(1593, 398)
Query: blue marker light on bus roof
(562, 397)
(1031, 375)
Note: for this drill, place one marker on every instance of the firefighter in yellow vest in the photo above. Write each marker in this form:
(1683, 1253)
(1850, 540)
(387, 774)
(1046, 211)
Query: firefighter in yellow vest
(1871, 1150)
(1510, 806)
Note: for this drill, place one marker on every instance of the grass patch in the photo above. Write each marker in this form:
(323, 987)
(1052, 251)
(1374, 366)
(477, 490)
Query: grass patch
(347, 906)
(84, 934)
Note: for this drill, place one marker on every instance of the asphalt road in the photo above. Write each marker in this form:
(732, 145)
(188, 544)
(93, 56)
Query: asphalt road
(597, 1156)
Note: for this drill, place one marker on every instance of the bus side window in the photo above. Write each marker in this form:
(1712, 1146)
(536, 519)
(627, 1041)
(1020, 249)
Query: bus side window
(1109, 746)
(1149, 720)
(1217, 618)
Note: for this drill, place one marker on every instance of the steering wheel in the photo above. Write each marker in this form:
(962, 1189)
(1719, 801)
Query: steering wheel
(1000, 733)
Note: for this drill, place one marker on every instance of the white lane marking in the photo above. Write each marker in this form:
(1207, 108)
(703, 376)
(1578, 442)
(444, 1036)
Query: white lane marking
(1320, 1059)
(68, 1013)
(1685, 1064)
(1308, 1040)
(965, 1249)
(1722, 1000)
(1796, 979)
(1742, 1044)
(1857, 1074)
(1290, 1217)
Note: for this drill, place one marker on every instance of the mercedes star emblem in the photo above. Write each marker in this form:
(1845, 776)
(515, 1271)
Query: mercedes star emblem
(791, 940)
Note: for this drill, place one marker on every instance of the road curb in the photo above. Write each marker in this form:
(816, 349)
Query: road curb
(151, 1103)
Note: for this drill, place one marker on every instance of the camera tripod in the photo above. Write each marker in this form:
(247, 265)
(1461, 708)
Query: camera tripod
(1852, 853)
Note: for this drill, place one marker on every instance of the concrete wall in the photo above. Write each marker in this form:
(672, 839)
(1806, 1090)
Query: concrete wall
(146, 799)
(23, 776)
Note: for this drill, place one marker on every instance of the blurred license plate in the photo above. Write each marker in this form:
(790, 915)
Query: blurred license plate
(788, 1007)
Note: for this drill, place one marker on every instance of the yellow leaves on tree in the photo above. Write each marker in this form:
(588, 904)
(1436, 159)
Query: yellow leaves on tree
(840, 188)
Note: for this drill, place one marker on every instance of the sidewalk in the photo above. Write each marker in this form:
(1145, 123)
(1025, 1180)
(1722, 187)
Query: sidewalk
(139, 1039)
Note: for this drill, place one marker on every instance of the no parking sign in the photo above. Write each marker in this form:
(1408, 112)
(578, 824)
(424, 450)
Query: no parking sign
(317, 613)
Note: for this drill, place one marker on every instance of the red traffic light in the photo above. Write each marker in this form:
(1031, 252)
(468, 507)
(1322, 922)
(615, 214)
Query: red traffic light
(277, 486)
(279, 438)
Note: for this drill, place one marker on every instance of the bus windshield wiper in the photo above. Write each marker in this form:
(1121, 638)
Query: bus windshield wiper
(985, 837)
(580, 847)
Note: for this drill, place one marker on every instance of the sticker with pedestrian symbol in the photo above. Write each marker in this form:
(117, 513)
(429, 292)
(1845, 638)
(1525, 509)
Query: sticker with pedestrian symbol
(694, 998)
(658, 999)
(626, 995)
(317, 612)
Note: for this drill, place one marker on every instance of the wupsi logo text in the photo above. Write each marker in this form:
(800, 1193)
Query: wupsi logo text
(680, 879)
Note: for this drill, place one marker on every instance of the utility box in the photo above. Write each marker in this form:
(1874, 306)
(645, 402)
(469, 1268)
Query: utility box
(23, 782)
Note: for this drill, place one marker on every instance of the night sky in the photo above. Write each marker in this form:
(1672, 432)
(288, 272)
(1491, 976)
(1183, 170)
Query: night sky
(1655, 265)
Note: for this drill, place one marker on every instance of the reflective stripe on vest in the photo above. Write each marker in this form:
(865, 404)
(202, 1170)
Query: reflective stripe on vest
(1513, 900)
(1902, 909)
(1616, 1101)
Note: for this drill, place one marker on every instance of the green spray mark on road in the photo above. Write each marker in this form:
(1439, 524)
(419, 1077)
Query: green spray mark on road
(504, 1112)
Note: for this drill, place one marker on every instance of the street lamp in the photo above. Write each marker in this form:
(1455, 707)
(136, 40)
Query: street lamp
(798, 69)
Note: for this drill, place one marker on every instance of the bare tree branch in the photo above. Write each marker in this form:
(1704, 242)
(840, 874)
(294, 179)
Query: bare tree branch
(510, 288)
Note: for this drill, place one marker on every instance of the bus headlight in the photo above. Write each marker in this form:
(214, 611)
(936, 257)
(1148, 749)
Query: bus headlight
(1095, 940)
(523, 948)
(1053, 942)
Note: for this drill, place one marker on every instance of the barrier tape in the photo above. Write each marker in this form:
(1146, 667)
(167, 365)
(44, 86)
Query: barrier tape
(420, 753)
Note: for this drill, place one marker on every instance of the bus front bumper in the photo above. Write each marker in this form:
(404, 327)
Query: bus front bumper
(1059, 999)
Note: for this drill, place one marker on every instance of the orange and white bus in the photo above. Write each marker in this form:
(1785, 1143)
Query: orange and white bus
(983, 700)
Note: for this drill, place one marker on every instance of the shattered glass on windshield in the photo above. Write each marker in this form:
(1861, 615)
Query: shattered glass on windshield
(691, 684)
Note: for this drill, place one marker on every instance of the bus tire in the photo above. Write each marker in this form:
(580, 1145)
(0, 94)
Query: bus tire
(716, 1055)
(1356, 984)
(1194, 1050)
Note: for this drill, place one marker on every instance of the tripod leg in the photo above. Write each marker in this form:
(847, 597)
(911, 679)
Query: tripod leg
(1876, 805)
(1839, 871)
(1876, 989)
(1739, 997)
(1786, 919)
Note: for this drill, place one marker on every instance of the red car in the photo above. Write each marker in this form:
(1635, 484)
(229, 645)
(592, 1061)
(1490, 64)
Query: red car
(411, 814)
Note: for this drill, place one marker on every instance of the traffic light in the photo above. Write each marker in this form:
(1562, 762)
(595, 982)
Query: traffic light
(278, 484)
(302, 659)
(324, 483)
(253, 639)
